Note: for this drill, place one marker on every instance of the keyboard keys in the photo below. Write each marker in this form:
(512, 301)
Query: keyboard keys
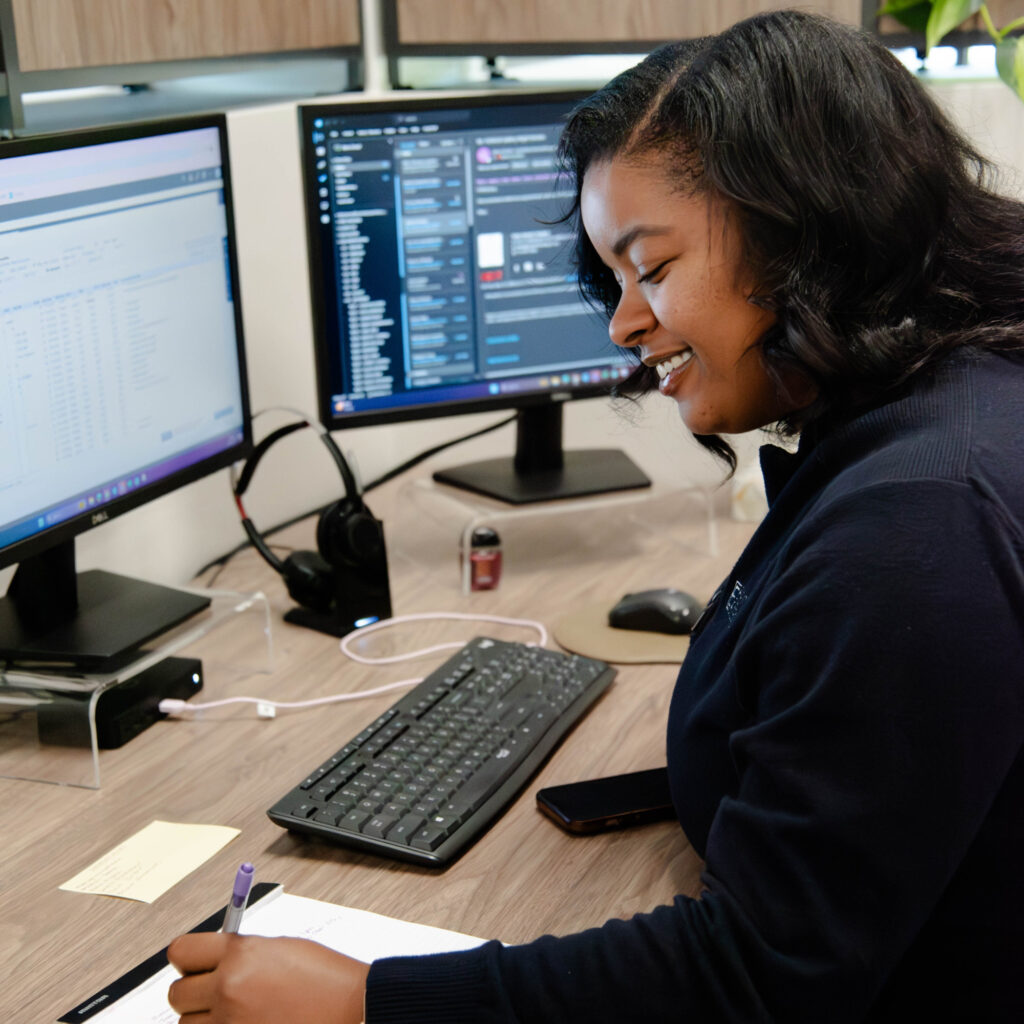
(406, 828)
(354, 820)
(428, 776)
(379, 825)
(430, 837)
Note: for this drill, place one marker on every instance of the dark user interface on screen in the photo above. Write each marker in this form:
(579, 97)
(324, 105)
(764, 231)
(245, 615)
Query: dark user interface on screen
(446, 272)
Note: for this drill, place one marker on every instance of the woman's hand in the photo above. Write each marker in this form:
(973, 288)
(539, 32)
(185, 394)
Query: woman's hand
(244, 979)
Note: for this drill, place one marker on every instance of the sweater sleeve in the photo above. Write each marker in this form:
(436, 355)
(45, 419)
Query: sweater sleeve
(880, 720)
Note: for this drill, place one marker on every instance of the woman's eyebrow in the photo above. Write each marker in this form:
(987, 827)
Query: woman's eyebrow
(641, 230)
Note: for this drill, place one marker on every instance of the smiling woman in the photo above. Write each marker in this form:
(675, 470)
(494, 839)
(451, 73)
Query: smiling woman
(684, 296)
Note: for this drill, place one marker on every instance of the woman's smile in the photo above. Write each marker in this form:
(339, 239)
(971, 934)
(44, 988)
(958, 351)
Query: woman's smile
(669, 370)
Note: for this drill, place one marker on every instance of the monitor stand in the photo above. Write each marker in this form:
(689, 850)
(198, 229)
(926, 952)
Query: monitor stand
(55, 618)
(542, 470)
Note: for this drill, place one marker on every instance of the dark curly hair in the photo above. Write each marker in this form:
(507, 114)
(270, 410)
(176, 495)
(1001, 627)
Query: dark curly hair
(866, 218)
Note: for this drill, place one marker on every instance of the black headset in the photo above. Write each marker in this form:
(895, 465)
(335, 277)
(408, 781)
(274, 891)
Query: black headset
(346, 580)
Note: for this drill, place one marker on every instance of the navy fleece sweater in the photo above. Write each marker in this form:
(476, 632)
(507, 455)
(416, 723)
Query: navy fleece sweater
(844, 749)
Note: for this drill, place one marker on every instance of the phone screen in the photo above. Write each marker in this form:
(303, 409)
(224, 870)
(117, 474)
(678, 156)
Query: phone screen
(616, 801)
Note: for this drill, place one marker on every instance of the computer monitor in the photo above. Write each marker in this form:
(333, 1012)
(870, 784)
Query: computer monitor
(442, 280)
(122, 371)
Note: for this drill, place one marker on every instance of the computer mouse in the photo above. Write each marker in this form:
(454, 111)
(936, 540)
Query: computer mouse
(657, 611)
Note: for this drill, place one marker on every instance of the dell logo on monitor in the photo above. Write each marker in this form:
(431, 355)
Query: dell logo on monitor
(99, 517)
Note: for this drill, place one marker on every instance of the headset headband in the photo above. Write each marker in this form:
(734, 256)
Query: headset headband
(347, 476)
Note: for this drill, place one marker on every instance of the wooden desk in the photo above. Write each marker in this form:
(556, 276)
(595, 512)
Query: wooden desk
(522, 879)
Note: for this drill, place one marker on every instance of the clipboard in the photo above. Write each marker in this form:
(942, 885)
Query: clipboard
(138, 975)
(140, 996)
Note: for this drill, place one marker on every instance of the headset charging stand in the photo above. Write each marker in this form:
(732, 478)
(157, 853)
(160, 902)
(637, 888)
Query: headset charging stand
(361, 595)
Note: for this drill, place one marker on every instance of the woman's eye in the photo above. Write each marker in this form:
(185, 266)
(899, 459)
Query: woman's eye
(650, 275)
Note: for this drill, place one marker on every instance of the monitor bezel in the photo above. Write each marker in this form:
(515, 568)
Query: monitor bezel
(308, 113)
(69, 529)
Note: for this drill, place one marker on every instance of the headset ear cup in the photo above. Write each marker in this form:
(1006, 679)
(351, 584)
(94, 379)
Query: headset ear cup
(348, 535)
(310, 580)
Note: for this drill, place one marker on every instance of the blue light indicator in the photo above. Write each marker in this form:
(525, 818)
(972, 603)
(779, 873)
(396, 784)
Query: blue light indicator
(359, 623)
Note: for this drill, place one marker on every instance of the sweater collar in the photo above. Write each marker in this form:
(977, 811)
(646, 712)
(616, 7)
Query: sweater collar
(894, 414)
(778, 467)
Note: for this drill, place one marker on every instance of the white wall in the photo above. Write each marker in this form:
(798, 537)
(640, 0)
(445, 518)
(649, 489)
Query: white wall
(171, 538)
(993, 117)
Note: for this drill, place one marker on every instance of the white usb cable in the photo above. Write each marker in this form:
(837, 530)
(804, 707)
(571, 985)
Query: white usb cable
(265, 708)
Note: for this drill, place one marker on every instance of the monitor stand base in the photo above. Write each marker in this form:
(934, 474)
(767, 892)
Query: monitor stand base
(583, 473)
(115, 616)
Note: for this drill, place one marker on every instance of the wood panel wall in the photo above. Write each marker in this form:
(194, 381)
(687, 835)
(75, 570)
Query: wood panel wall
(62, 34)
(436, 22)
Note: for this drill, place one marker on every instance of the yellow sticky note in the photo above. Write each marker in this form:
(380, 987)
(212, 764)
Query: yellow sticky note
(151, 861)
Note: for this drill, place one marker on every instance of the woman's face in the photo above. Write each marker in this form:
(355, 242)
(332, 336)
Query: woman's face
(684, 295)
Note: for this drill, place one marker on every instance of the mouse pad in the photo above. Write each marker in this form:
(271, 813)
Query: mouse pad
(586, 631)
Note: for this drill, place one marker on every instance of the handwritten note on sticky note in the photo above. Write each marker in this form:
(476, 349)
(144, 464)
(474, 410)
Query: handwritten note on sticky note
(151, 861)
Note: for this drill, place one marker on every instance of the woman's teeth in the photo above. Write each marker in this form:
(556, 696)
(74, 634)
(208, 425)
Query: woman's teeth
(667, 366)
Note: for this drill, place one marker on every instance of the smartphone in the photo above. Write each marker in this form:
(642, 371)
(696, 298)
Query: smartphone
(616, 801)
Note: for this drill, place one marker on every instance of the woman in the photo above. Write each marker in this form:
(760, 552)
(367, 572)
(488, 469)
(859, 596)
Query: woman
(785, 231)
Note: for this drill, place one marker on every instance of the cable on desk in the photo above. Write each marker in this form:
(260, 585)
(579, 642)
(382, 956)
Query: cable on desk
(457, 616)
(266, 708)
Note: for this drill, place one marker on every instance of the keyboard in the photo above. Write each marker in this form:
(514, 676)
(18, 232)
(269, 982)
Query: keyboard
(427, 777)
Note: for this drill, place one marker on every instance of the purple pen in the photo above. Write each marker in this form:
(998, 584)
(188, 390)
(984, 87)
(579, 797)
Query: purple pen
(239, 898)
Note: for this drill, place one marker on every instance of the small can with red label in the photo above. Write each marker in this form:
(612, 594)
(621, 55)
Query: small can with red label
(484, 559)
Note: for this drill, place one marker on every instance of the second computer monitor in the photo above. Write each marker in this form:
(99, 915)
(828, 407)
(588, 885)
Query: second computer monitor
(122, 369)
(443, 280)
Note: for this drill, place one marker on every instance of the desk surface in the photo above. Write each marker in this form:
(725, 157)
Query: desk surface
(522, 879)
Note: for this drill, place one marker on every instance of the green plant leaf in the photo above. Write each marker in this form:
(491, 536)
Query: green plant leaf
(1010, 64)
(947, 15)
(912, 13)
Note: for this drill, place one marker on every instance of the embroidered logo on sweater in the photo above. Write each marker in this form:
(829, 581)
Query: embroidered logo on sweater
(736, 601)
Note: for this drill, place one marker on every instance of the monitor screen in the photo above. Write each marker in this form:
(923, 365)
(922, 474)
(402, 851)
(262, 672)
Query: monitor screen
(443, 282)
(122, 371)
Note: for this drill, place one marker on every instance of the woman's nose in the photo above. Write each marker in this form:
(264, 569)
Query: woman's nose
(631, 321)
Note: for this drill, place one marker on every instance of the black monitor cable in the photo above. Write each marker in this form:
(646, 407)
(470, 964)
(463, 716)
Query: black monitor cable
(424, 455)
